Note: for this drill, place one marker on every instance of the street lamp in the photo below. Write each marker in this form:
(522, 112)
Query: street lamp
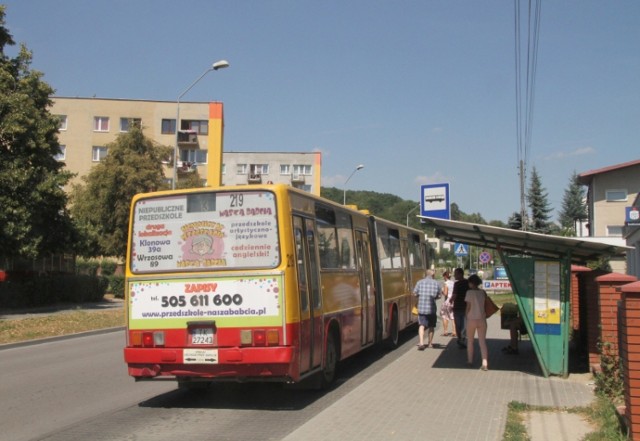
(344, 193)
(411, 211)
(221, 64)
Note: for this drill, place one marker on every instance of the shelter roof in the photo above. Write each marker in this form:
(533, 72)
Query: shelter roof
(577, 249)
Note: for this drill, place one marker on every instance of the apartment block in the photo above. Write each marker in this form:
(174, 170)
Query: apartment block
(89, 125)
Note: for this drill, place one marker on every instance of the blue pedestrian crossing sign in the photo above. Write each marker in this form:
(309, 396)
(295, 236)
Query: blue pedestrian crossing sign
(460, 249)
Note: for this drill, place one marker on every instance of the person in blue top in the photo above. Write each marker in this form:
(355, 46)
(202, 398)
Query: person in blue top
(427, 290)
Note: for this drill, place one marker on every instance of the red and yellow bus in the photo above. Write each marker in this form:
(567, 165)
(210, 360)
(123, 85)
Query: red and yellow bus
(261, 283)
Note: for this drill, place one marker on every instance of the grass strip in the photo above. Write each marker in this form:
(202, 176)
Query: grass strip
(64, 323)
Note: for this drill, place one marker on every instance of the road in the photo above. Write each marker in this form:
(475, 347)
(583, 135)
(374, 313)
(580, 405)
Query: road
(78, 389)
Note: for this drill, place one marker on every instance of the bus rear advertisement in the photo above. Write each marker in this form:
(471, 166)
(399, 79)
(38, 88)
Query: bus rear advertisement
(261, 283)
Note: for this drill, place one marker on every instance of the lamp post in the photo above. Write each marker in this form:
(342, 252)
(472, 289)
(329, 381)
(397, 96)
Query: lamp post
(411, 211)
(221, 64)
(344, 193)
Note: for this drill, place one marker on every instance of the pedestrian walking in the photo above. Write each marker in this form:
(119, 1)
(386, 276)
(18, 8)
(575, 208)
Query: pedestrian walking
(460, 288)
(476, 320)
(446, 310)
(427, 290)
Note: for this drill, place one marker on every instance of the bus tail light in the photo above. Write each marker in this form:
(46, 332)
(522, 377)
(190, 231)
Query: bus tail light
(147, 339)
(259, 337)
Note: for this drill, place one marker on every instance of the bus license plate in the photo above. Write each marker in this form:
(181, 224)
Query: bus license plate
(202, 336)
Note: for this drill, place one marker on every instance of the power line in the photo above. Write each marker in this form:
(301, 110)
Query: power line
(524, 109)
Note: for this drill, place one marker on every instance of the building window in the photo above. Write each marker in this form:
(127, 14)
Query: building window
(98, 153)
(194, 156)
(614, 230)
(62, 155)
(62, 122)
(126, 123)
(224, 169)
(100, 123)
(259, 169)
(285, 169)
(616, 195)
(168, 126)
(241, 169)
(302, 169)
(201, 127)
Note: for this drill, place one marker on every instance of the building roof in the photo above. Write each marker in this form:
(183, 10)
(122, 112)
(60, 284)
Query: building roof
(586, 177)
(577, 249)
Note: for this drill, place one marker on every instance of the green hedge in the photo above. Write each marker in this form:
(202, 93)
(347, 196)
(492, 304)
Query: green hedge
(116, 286)
(35, 291)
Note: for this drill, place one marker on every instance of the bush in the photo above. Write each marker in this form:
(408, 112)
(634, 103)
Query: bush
(108, 267)
(48, 290)
(610, 381)
(116, 286)
(88, 267)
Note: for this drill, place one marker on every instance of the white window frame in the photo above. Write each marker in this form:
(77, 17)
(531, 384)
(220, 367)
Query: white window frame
(100, 123)
(259, 169)
(224, 169)
(302, 170)
(63, 122)
(192, 155)
(615, 230)
(200, 126)
(285, 169)
(612, 195)
(63, 153)
(125, 123)
(241, 169)
(172, 126)
(98, 153)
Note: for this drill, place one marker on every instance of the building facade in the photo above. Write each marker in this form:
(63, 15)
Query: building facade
(610, 191)
(89, 125)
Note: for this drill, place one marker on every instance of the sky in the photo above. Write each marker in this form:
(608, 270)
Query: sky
(419, 92)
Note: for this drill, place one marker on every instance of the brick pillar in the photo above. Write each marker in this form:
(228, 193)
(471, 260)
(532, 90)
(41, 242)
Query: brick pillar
(590, 326)
(574, 297)
(630, 355)
(610, 295)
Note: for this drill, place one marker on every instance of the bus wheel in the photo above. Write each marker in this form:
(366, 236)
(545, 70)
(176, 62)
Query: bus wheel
(330, 362)
(394, 332)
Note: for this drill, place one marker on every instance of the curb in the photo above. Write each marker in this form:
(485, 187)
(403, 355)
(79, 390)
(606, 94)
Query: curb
(59, 338)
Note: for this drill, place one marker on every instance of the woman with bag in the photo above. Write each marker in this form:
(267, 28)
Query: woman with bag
(476, 320)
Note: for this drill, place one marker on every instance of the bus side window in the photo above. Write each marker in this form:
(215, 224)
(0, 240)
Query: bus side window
(300, 264)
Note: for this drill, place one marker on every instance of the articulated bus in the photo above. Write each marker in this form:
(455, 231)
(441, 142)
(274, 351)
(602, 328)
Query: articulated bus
(261, 283)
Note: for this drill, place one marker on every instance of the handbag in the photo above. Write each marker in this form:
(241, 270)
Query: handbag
(490, 307)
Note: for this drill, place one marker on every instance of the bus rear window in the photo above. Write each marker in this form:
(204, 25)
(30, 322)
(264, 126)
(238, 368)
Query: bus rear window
(204, 231)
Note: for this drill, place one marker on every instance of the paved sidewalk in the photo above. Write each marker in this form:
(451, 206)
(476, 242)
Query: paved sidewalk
(432, 395)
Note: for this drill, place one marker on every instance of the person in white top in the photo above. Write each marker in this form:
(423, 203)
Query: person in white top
(446, 311)
(476, 320)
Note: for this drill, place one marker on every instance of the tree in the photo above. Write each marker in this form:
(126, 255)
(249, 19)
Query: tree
(33, 218)
(515, 221)
(574, 207)
(101, 205)
(539, 205)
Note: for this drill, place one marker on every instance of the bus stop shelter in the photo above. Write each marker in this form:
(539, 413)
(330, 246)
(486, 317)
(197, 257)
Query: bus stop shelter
(539, 269)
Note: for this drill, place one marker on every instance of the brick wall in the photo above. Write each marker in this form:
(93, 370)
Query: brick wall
(610, 294)
(630, 354)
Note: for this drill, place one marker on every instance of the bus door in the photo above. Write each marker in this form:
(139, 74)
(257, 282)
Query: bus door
(310, 325)
(367, 289)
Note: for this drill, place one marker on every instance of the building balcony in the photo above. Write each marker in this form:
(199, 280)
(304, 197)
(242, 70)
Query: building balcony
(297, 178)
(254, 178)
(188, 138)
(187, 167)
